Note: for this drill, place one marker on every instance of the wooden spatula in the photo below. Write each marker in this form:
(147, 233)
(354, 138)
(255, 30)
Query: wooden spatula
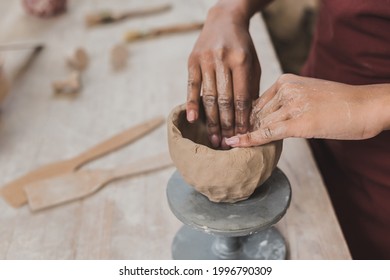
(134, 35)
(13, 192)
(105, 17)
(72, 186)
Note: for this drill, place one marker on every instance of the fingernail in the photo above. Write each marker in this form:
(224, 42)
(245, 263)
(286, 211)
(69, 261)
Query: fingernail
(215, 140)
(191, 116)
(232, 140)
(225, 146)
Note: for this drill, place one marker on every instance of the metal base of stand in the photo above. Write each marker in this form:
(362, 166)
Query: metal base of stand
(190, 244)
(241, 230)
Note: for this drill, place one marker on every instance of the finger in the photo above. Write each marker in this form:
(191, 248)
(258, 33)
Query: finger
(225, 103)
(255, 78)
(266, 97)
(242, 99)
(258, 115)
(272, 132)
(193, 92)
(263, 120)
(271, 106)
(210, 104)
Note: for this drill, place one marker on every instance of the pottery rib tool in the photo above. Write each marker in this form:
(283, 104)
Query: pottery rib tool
(4, 83)
(9, 74)
(25, 61)
(105, 17)
(134, 35)
(13, 192)
(17, 46)
(72, 186)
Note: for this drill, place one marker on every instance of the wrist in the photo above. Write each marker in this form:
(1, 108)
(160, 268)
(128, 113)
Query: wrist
(386, 108)
(239, 11)
(380, 105)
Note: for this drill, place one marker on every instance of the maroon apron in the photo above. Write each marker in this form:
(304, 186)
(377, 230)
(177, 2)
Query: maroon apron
(352, 45)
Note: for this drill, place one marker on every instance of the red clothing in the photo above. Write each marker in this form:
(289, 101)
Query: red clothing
(352, 45)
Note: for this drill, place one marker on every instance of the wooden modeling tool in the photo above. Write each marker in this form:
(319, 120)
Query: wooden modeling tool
(10, 72)
(13, 192)
(17, 46)
(105, 17)
(23, 64)
(72, 186)
(134, 35)
(4, 84)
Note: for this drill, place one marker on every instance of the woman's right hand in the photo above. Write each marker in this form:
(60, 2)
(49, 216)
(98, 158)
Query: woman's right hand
(223, 67)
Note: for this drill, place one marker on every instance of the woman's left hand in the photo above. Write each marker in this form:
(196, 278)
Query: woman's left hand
(311, 108)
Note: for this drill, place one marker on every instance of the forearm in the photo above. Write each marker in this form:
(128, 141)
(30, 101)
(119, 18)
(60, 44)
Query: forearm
(240, 10)
(303, 107)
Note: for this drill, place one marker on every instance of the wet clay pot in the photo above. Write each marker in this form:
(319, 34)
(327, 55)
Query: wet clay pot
(45, 8)
(221, 175)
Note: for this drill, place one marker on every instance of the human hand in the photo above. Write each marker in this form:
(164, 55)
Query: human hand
(223, 67)
(311, 108)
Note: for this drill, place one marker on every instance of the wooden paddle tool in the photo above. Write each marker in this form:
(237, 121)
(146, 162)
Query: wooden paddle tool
(72, 186)
(13, 192)
(134, 35)
(105, 17)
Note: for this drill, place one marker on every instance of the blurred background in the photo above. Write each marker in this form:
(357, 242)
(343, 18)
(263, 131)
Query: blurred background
(290, 24)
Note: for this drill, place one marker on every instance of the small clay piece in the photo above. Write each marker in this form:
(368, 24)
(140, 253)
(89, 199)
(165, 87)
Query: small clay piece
(45, 8)
(79, 59)
(70, 85)
(221, 175)
(119, 56)
(4, 85)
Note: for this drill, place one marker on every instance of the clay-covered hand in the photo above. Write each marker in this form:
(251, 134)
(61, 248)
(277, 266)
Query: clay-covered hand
(311, 108)
(223, 67)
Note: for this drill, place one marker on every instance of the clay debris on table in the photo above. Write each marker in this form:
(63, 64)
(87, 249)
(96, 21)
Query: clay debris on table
(78, 60)
(69, 85)
(118, 57)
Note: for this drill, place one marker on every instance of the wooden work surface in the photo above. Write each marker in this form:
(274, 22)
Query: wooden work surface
(129, 219)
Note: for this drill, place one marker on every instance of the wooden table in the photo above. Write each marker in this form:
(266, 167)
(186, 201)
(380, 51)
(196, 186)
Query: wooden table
(129, 219)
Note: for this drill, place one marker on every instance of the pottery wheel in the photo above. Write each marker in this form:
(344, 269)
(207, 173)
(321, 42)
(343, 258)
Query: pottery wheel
(241, 230)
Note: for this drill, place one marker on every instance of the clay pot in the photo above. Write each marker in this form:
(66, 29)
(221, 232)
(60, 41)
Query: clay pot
(221, 175)
(44, 8)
